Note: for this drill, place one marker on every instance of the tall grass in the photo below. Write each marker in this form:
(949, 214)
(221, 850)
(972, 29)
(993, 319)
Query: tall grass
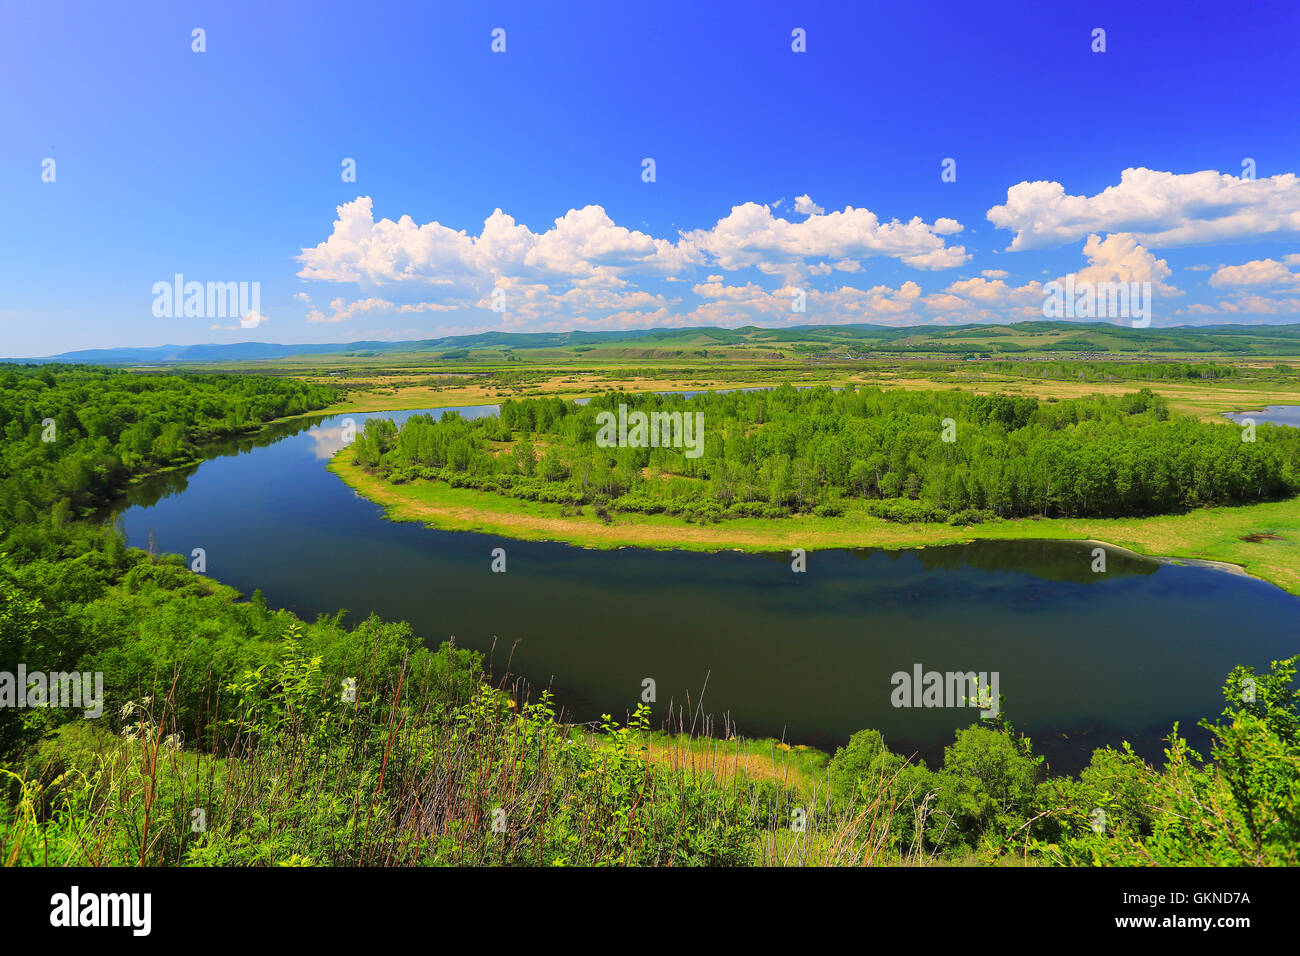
(411, 771)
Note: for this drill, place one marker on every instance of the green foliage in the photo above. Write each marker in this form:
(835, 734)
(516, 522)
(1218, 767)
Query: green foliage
(73, 435)
(987, 788)
(1240, 808)
(858, 764)
(785, 451)
(1120, 371)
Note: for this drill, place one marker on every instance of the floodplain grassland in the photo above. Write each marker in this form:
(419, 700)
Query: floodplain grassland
(411, 389)
(1260, 362)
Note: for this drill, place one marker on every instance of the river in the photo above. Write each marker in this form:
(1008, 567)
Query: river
(1083, 659)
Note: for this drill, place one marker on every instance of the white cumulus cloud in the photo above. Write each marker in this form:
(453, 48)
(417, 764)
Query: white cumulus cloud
(1259, 272)
(1160, 209)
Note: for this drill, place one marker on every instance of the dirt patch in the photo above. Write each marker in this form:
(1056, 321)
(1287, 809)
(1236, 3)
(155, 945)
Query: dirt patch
(1261, 536)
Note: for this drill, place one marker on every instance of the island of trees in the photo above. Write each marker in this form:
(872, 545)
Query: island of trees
(911, 456)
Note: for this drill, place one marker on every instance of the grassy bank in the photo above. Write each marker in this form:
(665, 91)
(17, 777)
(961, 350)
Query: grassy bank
(1210, 534)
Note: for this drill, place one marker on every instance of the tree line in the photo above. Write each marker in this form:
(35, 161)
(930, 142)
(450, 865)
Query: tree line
(73, 434)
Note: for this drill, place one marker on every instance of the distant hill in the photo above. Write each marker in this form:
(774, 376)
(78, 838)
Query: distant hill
(1021, 337)
(166, 354)
(243, 351)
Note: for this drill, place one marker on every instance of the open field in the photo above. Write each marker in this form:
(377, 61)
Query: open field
(1205, 400)
(386, 397)
(1208, 400)
(1204, 372)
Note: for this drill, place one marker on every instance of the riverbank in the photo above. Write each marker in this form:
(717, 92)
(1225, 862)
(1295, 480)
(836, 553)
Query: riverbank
(1262, 540)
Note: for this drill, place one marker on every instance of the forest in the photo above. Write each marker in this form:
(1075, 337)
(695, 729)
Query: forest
(73, 435)
(914, 456)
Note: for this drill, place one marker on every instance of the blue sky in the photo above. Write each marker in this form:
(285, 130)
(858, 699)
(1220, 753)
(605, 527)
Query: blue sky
(776, 172)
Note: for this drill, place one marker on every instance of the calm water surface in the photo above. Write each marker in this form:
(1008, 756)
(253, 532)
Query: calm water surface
(1277, 414)
(1084, 659)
